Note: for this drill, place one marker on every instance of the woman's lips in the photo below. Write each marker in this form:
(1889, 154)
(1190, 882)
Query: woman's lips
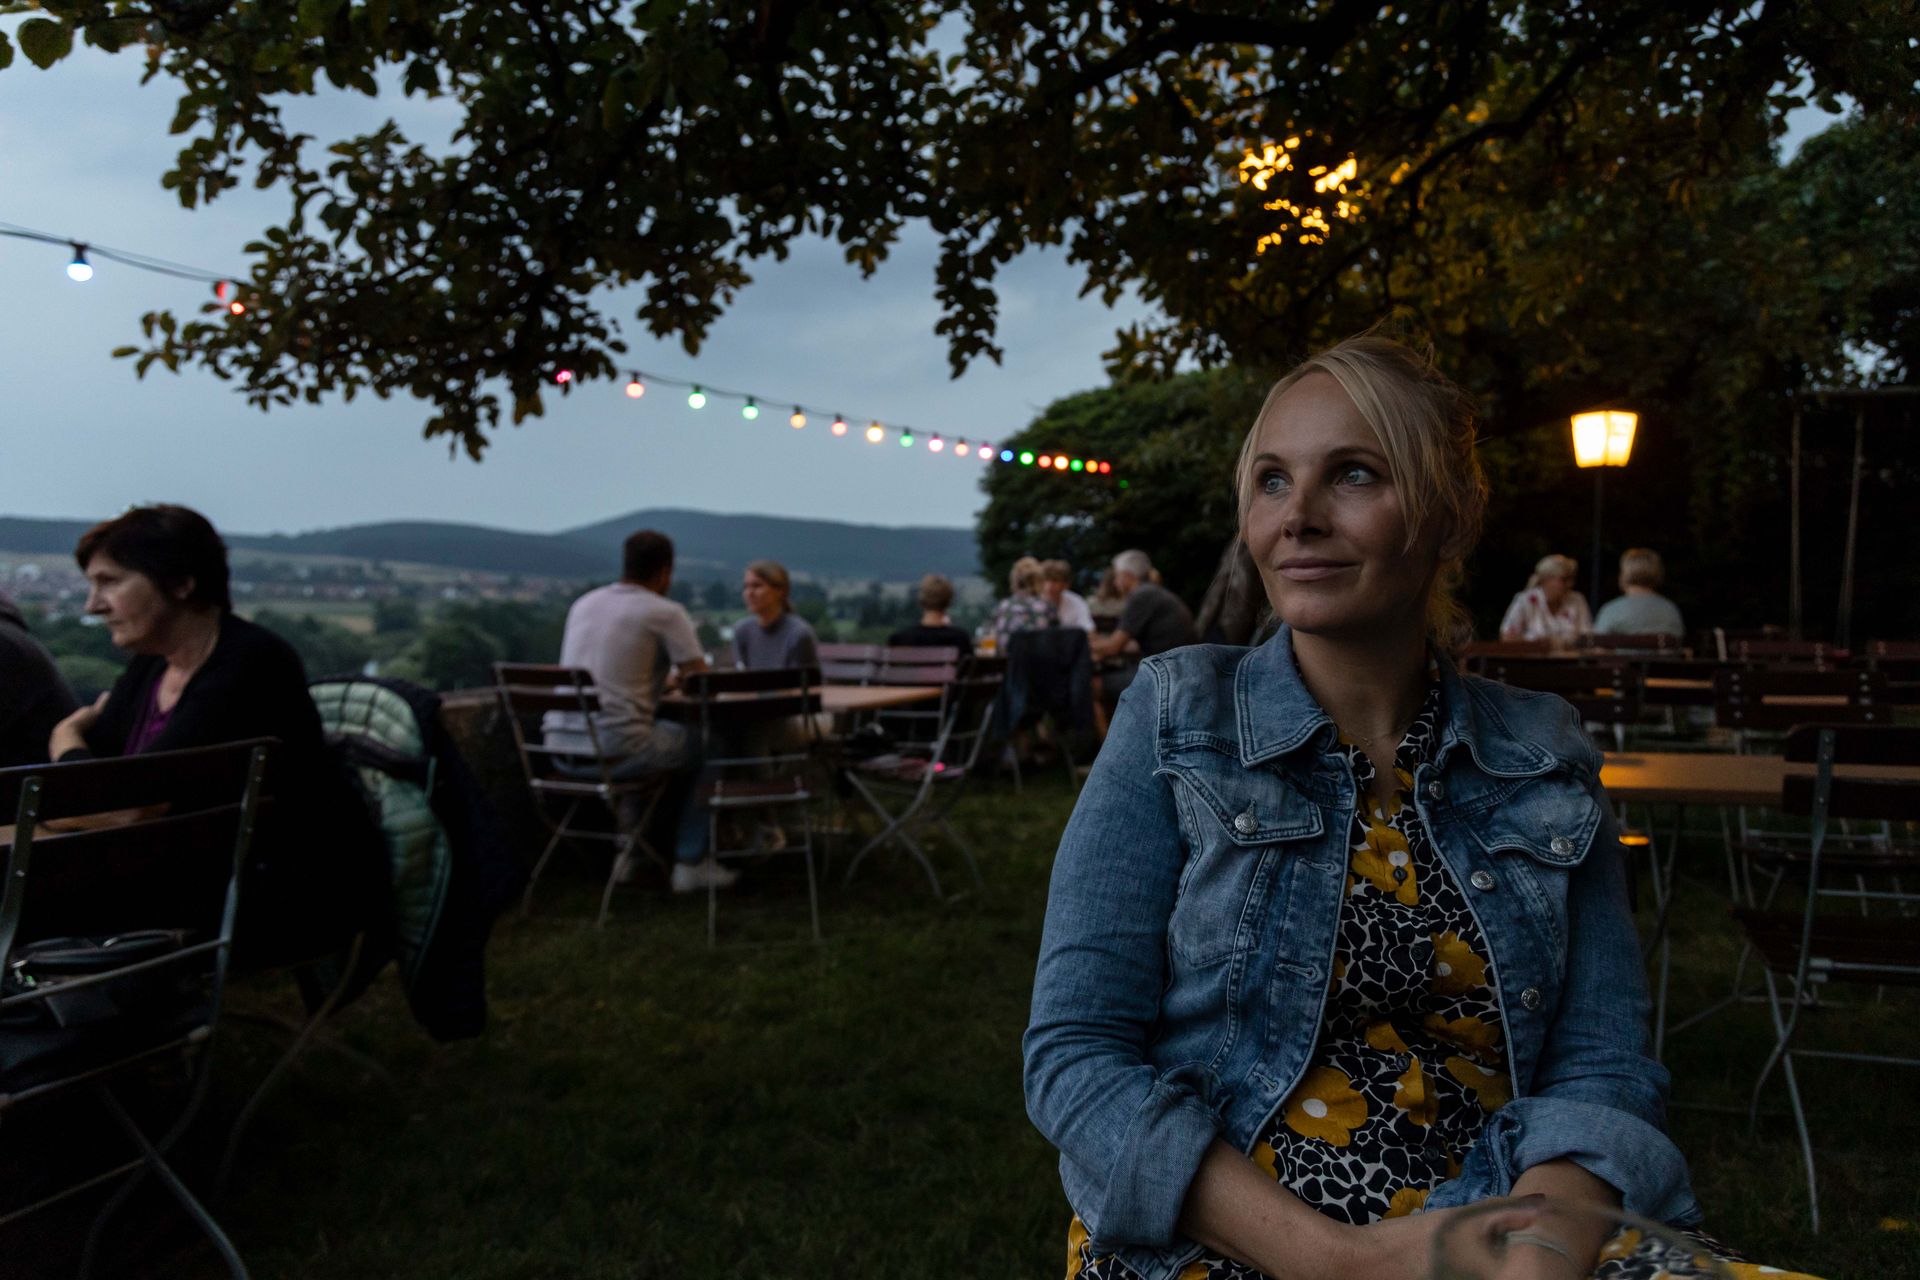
(1312, 570)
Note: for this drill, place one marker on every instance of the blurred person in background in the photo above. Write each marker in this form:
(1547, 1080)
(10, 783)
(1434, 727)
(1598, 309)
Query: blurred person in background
(1642, 610)
(1024, 609)
(33, 694)
(772, 634)
(1069, 606)
(935, 629)
(1549, 608)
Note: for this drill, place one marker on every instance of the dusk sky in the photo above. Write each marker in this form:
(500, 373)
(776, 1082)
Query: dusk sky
(82, 148)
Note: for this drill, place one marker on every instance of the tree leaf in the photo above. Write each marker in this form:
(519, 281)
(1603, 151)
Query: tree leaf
(6, 51)
(45, 42)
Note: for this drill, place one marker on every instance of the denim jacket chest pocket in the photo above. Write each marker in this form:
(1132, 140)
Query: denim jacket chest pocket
(1240, 827)
(1536, 831)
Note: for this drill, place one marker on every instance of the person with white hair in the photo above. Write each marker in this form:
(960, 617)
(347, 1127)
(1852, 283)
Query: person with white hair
(1640, 610)
(1549, 608)
(1153, 617)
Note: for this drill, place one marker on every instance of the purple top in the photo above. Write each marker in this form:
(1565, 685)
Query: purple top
(150, 723)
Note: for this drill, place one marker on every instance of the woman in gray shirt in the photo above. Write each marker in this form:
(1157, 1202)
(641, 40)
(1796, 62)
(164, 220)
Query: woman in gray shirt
(772, 634)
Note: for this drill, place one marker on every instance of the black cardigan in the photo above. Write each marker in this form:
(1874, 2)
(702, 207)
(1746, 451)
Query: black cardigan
(317, 873)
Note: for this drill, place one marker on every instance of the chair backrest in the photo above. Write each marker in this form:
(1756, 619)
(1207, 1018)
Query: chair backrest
(528, 692)
(1776, 698)
(108, 847)
(1881, 799)
(1897, 660)
(1809, 652)
(919, 655)
(849, 663)
(1474, 655)
(1606, 692)
(728, 698)
(1678, 682)
(968, 704)
(1648, 642)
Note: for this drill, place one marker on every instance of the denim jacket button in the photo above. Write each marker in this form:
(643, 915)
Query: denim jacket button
(1481, 880)
(1436, 790)
(1245, 823)
(1561, 846)
(1530, 998)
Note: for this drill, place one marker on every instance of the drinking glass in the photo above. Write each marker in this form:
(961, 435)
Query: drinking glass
(1517, 1239)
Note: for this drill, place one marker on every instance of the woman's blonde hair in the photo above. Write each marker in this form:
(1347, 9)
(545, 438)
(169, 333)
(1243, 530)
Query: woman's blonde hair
(1555, 566)
(1641, 567)
(1025, 575)
(1425, 425)
(774, 574)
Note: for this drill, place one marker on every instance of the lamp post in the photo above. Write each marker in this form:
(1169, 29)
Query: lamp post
(1602, 439)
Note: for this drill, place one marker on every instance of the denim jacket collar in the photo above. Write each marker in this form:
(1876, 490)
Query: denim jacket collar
(1288, 718)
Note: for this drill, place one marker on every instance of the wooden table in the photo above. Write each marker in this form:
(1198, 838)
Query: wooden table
(1687, 777)
(835, 699)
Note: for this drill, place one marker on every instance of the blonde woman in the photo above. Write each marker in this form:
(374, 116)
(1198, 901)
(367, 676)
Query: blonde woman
(1337, 941)
(1024, 609)
(1549, 608)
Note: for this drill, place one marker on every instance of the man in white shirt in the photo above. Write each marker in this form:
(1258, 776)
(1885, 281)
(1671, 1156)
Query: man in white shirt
(634, 641)
(1068, 605)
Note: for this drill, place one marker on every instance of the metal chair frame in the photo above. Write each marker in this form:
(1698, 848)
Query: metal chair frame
(731, 701)
(913, 780)
(529, 690)
(1816, 949)
(157, 859)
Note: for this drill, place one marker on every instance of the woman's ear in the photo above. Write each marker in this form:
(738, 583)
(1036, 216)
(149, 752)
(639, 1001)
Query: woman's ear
(1452, 545)
(184, 592)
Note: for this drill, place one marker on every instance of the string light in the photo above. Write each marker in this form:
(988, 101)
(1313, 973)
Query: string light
(228, 294)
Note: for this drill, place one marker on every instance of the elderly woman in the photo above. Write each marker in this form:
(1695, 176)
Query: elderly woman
(200, 675)
(1549, 609)
(772, 634)
(1640, 609)
(1337, 941)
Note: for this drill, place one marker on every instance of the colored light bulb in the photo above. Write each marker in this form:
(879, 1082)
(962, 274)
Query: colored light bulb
(79, 270)
(635, 388)
(839, 425)
(936, 445)
(1026, 459)
(563, 376)
(1006, 455)
(696, 399)
(799, 419)
(875, 433)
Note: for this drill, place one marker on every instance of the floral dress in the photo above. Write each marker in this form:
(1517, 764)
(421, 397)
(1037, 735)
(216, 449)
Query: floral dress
(1411, 1058)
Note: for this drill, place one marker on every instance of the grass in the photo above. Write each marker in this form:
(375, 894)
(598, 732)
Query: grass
(641, 1107)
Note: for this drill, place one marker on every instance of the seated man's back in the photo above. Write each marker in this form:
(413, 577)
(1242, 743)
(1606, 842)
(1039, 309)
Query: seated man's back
(1158, 619)
(627, 637)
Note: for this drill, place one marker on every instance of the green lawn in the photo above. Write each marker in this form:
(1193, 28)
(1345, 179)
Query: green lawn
(642, 1107)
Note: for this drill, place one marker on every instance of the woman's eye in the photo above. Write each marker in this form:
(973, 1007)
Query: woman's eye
(1357, 473)
(1272, 482)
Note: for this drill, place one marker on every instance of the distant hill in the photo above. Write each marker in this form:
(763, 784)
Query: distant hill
(708, 545)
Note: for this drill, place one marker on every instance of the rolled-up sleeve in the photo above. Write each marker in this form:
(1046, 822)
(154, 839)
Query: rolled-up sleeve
(1131, 1138)
(1597, 1098)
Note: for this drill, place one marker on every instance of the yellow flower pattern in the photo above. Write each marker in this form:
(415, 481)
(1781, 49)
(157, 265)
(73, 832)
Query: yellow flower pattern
(1493, 1088)
(1413, 1097)
(1456, 969)
(1406, 1200)
(1384, 861)
(1326, 1107)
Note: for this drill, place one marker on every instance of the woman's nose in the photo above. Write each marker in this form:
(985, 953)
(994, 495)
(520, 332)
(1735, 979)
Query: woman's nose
(1304, 517)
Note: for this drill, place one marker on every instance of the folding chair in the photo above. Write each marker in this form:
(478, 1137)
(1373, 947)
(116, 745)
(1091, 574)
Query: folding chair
(1898, 663)
(915, 664)
(137, 856)
(528, 693)
(1646, 642)
(1877, 944)
(916, 788)
(849, 663)
(742, 715)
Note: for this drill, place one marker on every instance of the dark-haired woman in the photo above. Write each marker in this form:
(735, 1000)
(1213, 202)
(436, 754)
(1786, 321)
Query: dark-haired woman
(201, 675)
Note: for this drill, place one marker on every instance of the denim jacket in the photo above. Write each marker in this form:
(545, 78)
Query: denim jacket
(1190, 932)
